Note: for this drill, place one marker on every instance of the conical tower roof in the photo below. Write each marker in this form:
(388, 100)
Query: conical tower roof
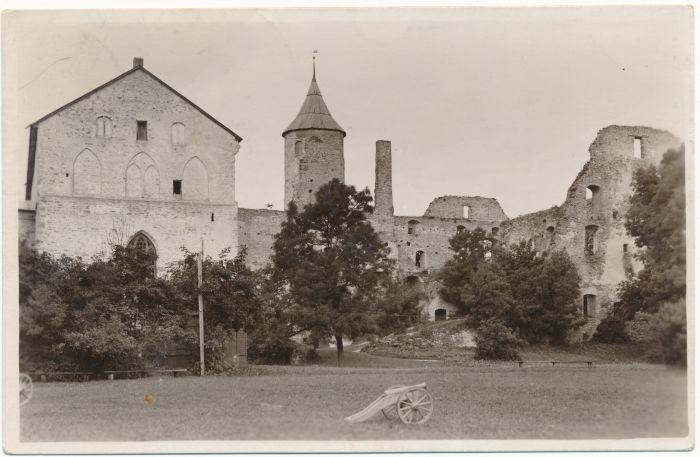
(314, 113)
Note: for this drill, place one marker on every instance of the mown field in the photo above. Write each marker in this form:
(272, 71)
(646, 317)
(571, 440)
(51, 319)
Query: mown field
(309, 403)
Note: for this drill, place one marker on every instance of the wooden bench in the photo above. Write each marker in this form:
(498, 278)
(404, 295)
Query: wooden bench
(44, 376)
(174, 371)
(143, 373)
(556, 362)
(139, 373)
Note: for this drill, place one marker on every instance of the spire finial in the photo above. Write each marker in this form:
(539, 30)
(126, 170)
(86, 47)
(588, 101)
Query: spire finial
(313, 58)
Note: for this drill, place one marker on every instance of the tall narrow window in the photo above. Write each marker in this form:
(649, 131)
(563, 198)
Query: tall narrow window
(104, 127)
(298, 148)
(141, 130)
(177, 133)
(177, 187)
(589, 305)
(591, 240)
(638, 147)
(465, 211)
(593, 195)
(420, 259)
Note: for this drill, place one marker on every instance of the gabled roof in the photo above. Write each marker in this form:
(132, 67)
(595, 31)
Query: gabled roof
(314, 113)
(133, 70)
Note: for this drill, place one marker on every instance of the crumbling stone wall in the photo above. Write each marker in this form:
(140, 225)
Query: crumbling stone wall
(91, 169)
(311, 158)
(609, 172)
(452, 206)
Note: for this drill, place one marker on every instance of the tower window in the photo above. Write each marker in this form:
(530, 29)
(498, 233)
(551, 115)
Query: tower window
(141, 130)
(412, 227)
(591, 240)
(420, 259)
(638, 147)
(593, 195)
(298, 148)
(177, 187)
(465, 211)
(212, 217)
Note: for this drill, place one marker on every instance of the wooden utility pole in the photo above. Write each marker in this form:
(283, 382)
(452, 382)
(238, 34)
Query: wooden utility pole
(200, 300)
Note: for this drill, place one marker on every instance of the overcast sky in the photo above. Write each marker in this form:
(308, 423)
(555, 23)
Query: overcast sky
(493, 102)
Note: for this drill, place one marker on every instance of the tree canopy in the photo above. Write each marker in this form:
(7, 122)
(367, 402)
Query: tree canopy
(334, 263)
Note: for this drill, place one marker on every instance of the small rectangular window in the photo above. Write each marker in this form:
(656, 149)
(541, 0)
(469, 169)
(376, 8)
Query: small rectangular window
(624, 248)
(177, 187)
(141, 130)
(465, 212)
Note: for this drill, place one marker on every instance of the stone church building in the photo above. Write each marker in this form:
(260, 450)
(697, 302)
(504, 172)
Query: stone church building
(133, 161)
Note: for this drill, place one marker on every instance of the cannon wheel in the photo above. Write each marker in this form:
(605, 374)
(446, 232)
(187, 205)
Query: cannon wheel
(415, 406)
(390, 411)
(26, 388)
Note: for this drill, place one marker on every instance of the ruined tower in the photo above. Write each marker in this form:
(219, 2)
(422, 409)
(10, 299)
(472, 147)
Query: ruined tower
(313, 149)
(383, 217)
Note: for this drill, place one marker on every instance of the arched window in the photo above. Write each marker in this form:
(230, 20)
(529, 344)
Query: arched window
(143, 243)
(591, 240)
(440, 314)
(420, 259)
(412, 280)
(104, 127)
(177, 133)
(142, 177)
(593, 195)
(460, 228)
(195, 182)
(87, 174)
(298, 148)
(412, 227)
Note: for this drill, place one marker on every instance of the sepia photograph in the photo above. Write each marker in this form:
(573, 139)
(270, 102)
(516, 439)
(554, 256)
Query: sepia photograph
(348, 229)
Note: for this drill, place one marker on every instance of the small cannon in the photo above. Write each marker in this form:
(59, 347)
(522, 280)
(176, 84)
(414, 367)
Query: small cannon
(412, 404)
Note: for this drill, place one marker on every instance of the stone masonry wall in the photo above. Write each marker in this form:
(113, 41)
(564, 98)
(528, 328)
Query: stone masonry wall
(84, 226)
(318, 161)
(136, 97)
(256, 231)
(91, 173)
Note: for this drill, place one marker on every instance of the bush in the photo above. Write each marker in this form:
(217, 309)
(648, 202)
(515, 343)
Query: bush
(273, 351)
(611, 330)
(496, 341)
(673, 333)
(642, 328)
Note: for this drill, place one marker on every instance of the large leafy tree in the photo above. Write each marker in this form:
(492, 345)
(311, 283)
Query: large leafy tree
(470, 248)
(232, 295)
(656, 218)
(545, 288)
(333, 262)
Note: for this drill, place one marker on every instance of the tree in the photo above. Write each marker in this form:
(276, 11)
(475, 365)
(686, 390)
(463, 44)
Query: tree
(332, 260)
(488, 296)
(232, 295)
(656, 218)
(470, 248)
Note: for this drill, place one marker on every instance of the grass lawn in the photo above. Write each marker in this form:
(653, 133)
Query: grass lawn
(500, 401)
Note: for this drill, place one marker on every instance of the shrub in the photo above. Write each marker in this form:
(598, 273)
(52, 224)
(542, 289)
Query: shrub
(274, 351)
(642, 328)
(673, 333)
(496, 341)
(611, 330)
